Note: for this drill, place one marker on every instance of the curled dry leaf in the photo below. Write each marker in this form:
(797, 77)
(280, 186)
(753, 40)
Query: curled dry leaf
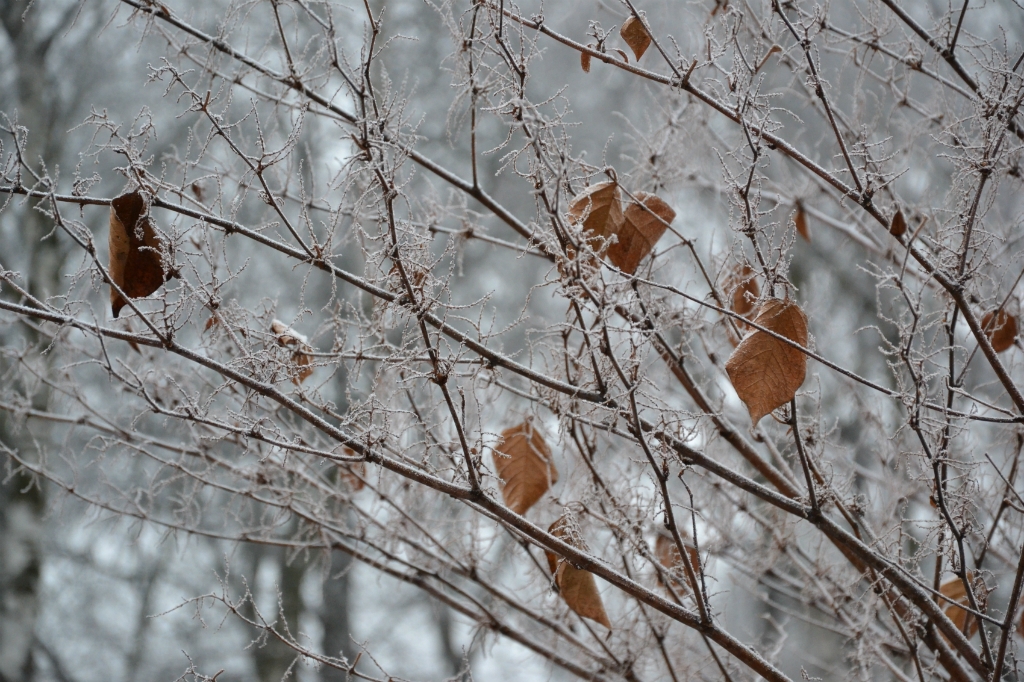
(800, 222)
(742, 291)
(954, 589)
(667, 552)
(636, 229)
(636, 36)
(523, 463)
(766, 372)
(417, 276)
(644, 221)
(301, 350)
(599, 211)
(598, 208)
(136, 260)
(1001, 329)
(899, 224)
(577, 587)
(742, 288)
(351, 473)
(585, 61)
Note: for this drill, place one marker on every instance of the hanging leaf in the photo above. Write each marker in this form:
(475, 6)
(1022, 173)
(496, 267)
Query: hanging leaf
(577, 587)
(351, 473)
(523, 463)
(636, 230)
(898, 225)
(954, 589)
(667, 552)
(598, 208)
(585, 61)
(742, 291)
(303, 366)
(765, 371)
(636, 36)
(1001, 329)
(136, 261)
(800, 221)
(642, 227)
(742, 288)
(301, 350)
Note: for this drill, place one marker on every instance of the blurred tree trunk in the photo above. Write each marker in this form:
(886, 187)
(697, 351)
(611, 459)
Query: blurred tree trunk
(334, 616)
(450, 651)
(39, 108)
(272, 658)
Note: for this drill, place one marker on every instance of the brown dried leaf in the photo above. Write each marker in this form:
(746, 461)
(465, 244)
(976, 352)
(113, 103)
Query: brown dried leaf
(577, 587)
(667, 552)
(301, 358)
(416, 273)
(1001, 329)
(303, 366)
(585, 61)
(136, 263)
(642, 227)
(899, 224)
(526, 470)
(765, 371)
(636, 36)
(286, 336)
(800, 221)
(954, 589)
(351, 473)
(742, 288)
(599, 209)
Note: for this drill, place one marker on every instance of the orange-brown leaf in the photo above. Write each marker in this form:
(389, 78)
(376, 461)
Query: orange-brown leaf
(766, 372)
(800, 222)
(351, 473)
(577, 587)
(599, 209)
(954, 589)
(636, 36)
(642, 227)
(585, 61)
(302, 360)
(667, 552)
(136, 261)
(303, 366)
(286, 336)
(1001, 329)
(742, 289)
(523, 463)
(898, 225)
